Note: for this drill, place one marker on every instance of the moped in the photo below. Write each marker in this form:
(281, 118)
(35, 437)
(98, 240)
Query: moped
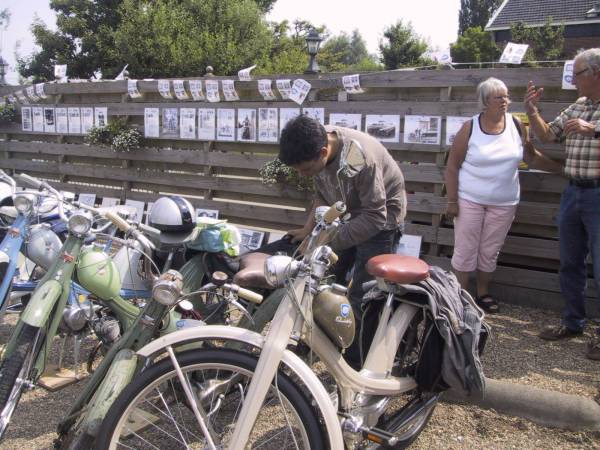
(259, 392)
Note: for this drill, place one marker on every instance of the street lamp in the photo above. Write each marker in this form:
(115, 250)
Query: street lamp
(313, 41)
(3, 67)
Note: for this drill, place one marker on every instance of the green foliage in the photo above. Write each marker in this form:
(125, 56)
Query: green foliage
(546, 43)
(277, 172)
(117, 135)
(474, 45)
(170, 38)
(4, 18)
(8, 113)
(475, 13)
(402, 47)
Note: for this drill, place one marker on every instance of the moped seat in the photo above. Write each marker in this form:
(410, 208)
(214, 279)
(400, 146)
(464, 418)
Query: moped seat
(252, 273)
(398, 268)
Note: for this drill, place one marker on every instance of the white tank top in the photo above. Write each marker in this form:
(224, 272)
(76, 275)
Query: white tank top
(489, 175)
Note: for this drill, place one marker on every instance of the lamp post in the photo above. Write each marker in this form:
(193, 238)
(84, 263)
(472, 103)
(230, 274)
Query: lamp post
(313, 41)
(3, 67)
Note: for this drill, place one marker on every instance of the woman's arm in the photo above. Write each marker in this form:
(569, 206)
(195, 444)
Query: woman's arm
(456, 157)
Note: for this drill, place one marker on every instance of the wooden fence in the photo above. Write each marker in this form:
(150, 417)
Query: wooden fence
(224, 175)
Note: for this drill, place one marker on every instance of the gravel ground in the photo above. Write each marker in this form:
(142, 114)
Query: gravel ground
(514, 354)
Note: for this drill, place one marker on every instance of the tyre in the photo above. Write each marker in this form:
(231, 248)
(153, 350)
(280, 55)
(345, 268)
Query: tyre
(13, 374)
(219, 379)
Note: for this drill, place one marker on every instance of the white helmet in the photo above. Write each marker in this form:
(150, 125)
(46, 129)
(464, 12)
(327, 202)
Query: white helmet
(173, 214)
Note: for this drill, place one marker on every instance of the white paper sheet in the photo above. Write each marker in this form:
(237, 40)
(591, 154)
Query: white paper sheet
(26, 119)
(139, 210)
(39, 90)
(74, 120)
(187, 126)
(87, 119)
(246, 126)
(164, 88)
(87, 199)
(170, 122)
(62, 120)
(244, 74)
(284, 87)
(49, 120)
(100, 116)
(385, 127)
(226, 124)
(196, 90)
(567, 76)
(179, 88)
(151, 122)
(453, 124)
(422, 130)
(38, 118)
(251, 239)
(352, 121)
(300, 90)
(315, 113)
(229, 91)
(31, 93)
(22, 99)
(212, 91)
(264, 87)
(352, 84)
(132, 89)
(206, 124)
(109, 201)
(267, 124)
(60, 72)
(210, 213)
(410, 245)
(285, 115)
(513, 53)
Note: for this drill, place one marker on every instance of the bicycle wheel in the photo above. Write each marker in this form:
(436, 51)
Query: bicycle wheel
(219, 379)
(13, 374)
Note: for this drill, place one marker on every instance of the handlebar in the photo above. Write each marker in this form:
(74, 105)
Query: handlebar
(6, 177)
(246, 294)
(334, 211)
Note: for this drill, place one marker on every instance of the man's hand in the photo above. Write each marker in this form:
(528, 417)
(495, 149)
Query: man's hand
(452, 210)
(298, 234)
(532, 96)
(578, 126)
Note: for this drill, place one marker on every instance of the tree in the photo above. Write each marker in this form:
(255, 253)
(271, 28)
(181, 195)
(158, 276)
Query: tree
(402, 47)
(346, 52)
(4, 18)
(475, 13)
(474, 45)
(546, 43)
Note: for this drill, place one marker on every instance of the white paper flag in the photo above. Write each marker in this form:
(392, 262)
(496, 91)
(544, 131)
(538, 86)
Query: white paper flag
(31, 93)
(300, 90)
(229, 91)
(513, 53)
(151, 122)
(164, 89)
(212, 90)
(87, 119)
(284, 87)
(74, 121)
(196, 89)
(121, 75)
(39, 90)
(244, 74)
(567, 76)
(27, 124)
(179, 89)
(352, 84)
(264, 87)
(132, 89)
(60, 72)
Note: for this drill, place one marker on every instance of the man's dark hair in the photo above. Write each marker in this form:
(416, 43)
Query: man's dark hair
(301, 140)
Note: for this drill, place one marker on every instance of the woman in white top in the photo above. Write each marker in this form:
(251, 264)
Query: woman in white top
(482, 183)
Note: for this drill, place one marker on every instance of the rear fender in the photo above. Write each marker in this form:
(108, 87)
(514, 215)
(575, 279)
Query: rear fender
(293, 362)
(42, 301)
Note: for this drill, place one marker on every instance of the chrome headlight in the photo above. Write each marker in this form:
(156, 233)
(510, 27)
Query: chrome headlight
(167, 289)
(278, 269)
(80, 222)
(23, 203)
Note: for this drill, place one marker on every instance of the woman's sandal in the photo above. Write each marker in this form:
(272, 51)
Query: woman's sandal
(488, 303)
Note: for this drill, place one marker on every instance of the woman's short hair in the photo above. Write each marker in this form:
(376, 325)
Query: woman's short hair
(590, 57)
(486, 88)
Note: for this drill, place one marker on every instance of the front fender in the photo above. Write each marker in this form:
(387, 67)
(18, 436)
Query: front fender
(42, 301)
(292, 361)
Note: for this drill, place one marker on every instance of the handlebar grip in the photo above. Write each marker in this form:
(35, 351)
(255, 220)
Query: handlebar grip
(334, 211)
(333, 258)
(30, 181)
(249, 295)
(118, 221)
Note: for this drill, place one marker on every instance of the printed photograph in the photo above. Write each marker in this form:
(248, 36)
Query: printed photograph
(385, 127)
(170, 122)
(246, 127)
(422, 129)
(351, 121)
(226, 124)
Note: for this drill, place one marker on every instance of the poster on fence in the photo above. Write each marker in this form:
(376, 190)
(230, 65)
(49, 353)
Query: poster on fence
(39, 90)
(212, 91)
(567, 76)
(210, 213)
(300, 90)
(264, 87)
(409, 245)
(87, 119)
(87, 199)
(315, 113)
(226, 124)
(351, 121)
(422, 129)
(138, 208)
(170, 122)
(49, 121)
(37, 113)
(179, 89)
(267, 124)
(246, 126)
(206, 124)
(164, 88)
(385, 127)
(151, 123)
(31, 93)
(285, 115)
(62, 120)
(74, 120)
(284, 87)
(453, 125)
(196, 90)
(251, 239)
(132, 89)
(229, 92)
(26, 121)
(100, 117)
(187, 126)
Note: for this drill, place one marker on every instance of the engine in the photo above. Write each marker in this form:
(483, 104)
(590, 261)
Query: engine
(108, 329)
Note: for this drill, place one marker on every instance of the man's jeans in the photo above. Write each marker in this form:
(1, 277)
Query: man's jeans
(579, 227)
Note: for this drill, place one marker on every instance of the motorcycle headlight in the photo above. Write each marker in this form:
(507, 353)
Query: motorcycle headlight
(23, 203)
(278, 269)
(80, 222)
(167, 289)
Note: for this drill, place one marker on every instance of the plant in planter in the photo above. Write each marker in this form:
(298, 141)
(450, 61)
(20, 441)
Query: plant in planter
(117, 135)
(8, 113)
(277, 172)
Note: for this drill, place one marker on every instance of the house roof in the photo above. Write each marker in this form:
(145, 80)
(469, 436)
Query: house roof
(536, 12)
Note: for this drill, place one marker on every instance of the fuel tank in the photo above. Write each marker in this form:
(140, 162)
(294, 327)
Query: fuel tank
(98, 273)
(334, 315)
(43, 246)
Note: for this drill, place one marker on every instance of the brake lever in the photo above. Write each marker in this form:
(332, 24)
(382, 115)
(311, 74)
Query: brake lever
(243, 310)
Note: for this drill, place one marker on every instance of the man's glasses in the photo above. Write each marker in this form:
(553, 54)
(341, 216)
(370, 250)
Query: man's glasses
(576, 74)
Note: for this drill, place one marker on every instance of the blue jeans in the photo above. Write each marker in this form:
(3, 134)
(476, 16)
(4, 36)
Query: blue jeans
(579, 228)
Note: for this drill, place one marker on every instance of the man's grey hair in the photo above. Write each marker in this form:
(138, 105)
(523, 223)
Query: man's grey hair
(487, 88)
(590, 57)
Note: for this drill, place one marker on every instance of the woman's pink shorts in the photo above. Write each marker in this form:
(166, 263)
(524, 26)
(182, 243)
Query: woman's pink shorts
(479, 233)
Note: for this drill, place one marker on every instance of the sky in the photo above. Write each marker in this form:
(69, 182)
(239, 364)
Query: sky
(434, 20)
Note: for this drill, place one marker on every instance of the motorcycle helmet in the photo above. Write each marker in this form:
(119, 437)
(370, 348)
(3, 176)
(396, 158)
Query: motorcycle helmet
(175, 217)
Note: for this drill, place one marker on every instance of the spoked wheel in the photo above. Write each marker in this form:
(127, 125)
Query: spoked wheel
(13, 374)
(153, 411)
